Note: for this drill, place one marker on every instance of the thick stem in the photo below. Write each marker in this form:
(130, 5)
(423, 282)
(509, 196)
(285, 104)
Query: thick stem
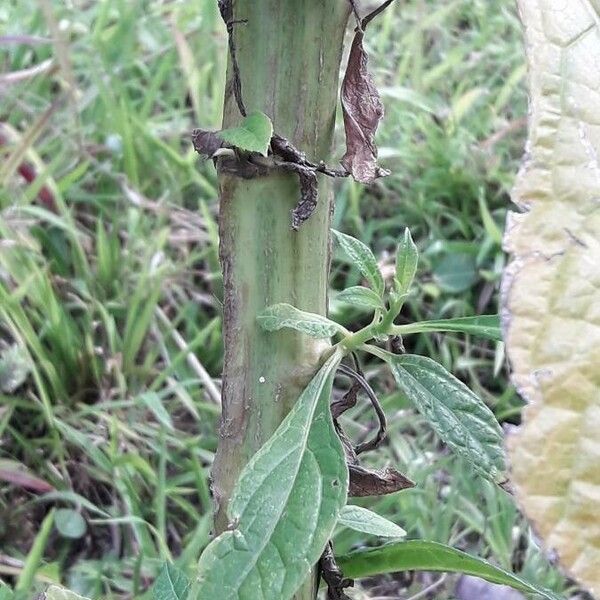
(289, 54)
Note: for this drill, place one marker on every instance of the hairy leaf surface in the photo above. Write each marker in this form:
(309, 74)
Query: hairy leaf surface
(366, 521)
(284, 507)
(551, 289)
(171, 584)
(430, 556)
(459, 417)
(360, 296)
(283, 315)
(407, 259)
(363, 259)
(487, 326)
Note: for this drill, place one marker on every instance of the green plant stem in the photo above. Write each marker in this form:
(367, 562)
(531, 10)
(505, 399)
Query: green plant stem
(289, 54)
(385, 326)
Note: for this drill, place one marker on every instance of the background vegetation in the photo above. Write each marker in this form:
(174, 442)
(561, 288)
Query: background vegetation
(109, 278)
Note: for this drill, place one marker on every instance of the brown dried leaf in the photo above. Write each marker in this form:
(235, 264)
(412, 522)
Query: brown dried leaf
(309, 196)
(363, 109)
(206, 142)
(364, 482)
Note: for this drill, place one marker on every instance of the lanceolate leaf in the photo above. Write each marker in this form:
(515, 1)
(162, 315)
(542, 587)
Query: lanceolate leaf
(407, 258)
(362, 258)
(171, 584)
(283, 315)
(487, 326)
(360, 296)
(366, 521)
(459, 417)
(253, 134)
(284, 507)
(430, 556)
(551, 289)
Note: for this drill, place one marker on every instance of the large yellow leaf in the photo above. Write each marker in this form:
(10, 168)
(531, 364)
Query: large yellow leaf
(551, 289)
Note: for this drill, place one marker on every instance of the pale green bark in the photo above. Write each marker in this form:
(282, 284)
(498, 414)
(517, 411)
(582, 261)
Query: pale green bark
(289, 55)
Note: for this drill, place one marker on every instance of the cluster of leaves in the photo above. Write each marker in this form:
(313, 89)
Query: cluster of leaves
(294, 491)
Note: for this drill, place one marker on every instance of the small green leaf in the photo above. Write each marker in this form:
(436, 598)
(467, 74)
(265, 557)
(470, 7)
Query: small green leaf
(57, 593)
(363, 259)
(366, 521)
(253, 135)
(69, 523)
(420, 555)
(407, 258)
(360, 296)
(283, 315)
(486, 326)
(456, 273)
(284, 506)
(459, 417)
(171, 584)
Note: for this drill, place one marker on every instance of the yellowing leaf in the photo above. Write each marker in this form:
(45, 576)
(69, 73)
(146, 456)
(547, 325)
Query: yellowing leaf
(552, 287)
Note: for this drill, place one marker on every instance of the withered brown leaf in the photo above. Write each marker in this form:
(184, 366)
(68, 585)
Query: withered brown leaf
(366, 482)
(363, 110)
(206, 142)
(309, 194)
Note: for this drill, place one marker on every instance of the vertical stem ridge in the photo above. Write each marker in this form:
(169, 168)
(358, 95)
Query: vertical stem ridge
(289, 54)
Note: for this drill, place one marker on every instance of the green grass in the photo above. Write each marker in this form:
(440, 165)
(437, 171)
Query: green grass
(101, 303)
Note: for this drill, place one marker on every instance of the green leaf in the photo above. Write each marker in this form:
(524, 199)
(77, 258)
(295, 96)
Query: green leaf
(363, 259)
(171, 584)
(69, 523)
(360, 296)
(57, 593)
(487, 326)
(253, 135)
(283, 315)
(284, 506)
(430, 556)
(6, 593)
(455, 273)
(407, 258)
(366, 521)
(459, 417)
